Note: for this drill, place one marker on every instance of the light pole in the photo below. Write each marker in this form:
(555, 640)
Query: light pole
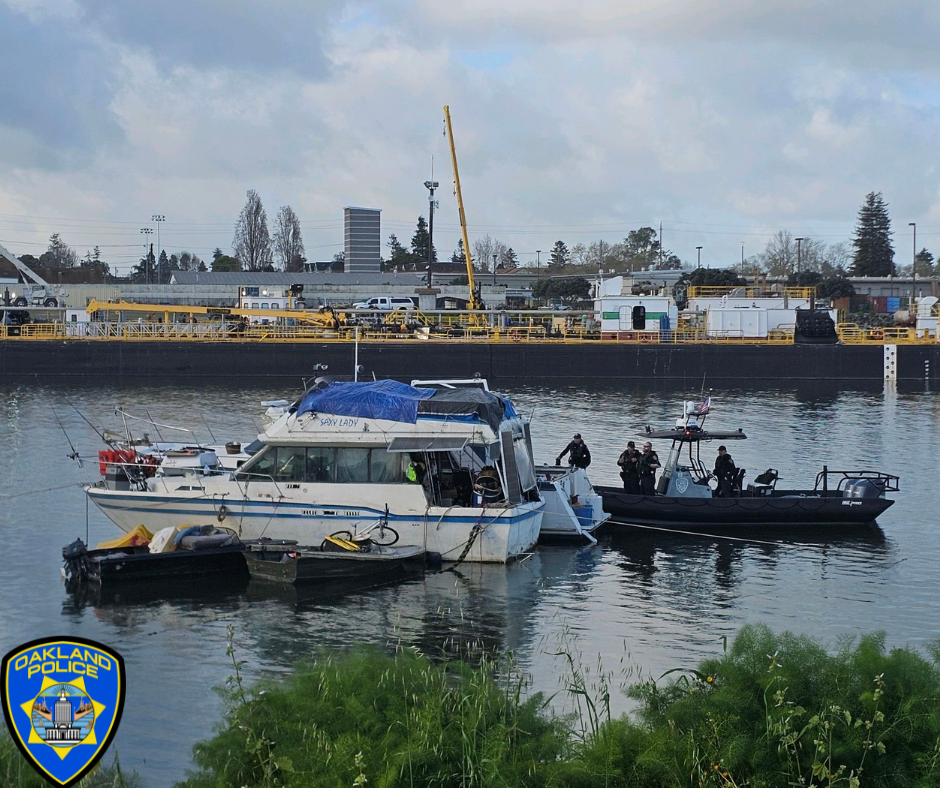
(146, 231)
(799, 255)
(913, 265)
(699, 250)
(538, 261)
(494, 268)
(432, 204)
(742, 258)
(159, 218)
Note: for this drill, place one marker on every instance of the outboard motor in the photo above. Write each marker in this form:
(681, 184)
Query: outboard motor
(863, 488)
(75, 558)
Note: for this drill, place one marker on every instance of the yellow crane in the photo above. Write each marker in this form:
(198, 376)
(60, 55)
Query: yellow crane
(475, 301)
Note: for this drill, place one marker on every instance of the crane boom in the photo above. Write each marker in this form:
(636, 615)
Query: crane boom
(20, 266)
(475, 301)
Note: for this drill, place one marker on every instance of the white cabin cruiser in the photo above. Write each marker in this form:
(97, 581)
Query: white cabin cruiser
(453, 468)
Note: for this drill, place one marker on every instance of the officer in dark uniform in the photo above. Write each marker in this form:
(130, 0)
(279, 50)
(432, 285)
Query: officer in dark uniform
(580, 454)
(724, 472)
(629, 469)
(647, 465)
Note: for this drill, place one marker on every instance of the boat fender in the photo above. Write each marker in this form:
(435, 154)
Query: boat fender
(223, 513)
(434, 560)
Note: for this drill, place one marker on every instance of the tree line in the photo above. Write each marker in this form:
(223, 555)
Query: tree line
(255, 247)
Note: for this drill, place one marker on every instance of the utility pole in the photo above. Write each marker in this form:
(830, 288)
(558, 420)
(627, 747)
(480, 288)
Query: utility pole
(159, 218)
(538, 262)
(431, 185)
(742, 258)
(799, 255)
(913, 266)
(494, 269)
(146, 232)
(699, 250)
(660, 246)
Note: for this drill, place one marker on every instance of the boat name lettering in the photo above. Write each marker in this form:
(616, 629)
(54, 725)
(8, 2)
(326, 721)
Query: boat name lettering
(345, 422)
(851, 503)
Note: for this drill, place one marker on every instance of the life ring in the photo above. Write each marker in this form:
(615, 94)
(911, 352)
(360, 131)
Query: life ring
(877, 334)
(223, 513)
(515, 336)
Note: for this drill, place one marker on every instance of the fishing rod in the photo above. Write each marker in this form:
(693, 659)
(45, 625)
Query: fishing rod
(74, 455)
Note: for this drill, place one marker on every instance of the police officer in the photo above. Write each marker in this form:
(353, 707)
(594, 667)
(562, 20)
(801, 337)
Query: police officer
(580, 454)
(629, 469)
(647, 465)
(724, 472)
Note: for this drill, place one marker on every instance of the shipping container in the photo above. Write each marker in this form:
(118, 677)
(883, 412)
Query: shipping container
(879, 304)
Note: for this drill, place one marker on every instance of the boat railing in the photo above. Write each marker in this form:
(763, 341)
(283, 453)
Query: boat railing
(824, 479)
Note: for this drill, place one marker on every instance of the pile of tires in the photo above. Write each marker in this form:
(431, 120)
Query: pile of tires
(815, 326)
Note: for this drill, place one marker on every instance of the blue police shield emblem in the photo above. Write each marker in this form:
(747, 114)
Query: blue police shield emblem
(682, 484)
(62, 699)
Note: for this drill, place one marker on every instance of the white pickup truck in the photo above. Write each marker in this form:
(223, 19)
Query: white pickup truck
(391, 303)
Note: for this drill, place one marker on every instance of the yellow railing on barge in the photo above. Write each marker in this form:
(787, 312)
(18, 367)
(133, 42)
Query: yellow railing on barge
(849, 333)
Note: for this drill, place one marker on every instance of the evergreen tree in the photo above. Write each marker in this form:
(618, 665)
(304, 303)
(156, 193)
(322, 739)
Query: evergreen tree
(459, 255)
(217, 253)
(510, 259)
(420, 242)
(874, 254)
(923, 263)
(560, 254)
(399, 257)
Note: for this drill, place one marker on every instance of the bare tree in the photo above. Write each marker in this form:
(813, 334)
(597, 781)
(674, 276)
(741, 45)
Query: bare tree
(483, 250)
(779, 257)
(288, 241)
(252, 242)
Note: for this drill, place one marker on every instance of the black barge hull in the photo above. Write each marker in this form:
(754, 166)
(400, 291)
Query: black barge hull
(131, 362)
(788, 509)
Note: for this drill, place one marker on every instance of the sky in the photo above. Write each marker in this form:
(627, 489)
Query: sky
(575, 121)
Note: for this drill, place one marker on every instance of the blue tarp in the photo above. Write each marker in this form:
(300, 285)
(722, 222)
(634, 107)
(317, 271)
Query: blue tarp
(380, 399)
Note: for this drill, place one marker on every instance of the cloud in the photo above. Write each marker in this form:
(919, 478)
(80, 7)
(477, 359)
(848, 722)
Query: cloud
(573, 121)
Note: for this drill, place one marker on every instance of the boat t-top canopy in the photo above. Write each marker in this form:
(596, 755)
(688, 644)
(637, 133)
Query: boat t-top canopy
(697, 436)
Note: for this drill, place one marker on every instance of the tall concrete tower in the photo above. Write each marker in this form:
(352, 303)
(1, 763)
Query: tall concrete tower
(363, 240)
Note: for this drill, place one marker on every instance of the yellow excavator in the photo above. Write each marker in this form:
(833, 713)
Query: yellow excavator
(475, 302)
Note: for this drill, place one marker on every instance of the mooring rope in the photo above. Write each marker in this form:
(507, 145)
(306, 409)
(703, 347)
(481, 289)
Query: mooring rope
(711, 536)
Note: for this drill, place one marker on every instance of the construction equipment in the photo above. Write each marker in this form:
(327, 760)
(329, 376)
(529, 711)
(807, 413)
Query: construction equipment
(37, 291)
(475, 301)
(325, 317)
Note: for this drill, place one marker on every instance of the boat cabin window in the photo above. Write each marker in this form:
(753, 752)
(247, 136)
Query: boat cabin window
(325, 464)
(352, 465)
(291, 464)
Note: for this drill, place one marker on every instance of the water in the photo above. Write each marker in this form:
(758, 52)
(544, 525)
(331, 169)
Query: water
(640, 602)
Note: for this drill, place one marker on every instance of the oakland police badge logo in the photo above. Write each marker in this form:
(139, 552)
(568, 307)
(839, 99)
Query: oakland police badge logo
(62, 699)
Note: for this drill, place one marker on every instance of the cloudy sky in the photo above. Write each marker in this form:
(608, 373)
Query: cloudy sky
(574, 120)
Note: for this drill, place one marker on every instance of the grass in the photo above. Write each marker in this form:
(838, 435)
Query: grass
(773, 711)
(16, 773)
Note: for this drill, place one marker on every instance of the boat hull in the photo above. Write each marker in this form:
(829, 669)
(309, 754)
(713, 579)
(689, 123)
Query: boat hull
(792, 509)
(314, 567)
(498, 534)
(122, 565)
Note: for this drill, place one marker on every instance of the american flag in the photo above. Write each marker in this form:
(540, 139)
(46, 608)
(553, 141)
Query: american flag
(705, 406)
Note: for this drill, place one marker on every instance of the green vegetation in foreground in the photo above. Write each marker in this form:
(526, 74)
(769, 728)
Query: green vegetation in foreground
(16, 773)
(775, 710)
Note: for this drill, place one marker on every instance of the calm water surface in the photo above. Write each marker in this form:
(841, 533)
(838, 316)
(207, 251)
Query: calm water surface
(641, 603)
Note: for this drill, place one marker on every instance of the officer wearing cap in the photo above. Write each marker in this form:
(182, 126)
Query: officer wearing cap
(724, 472)
(580, 454)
